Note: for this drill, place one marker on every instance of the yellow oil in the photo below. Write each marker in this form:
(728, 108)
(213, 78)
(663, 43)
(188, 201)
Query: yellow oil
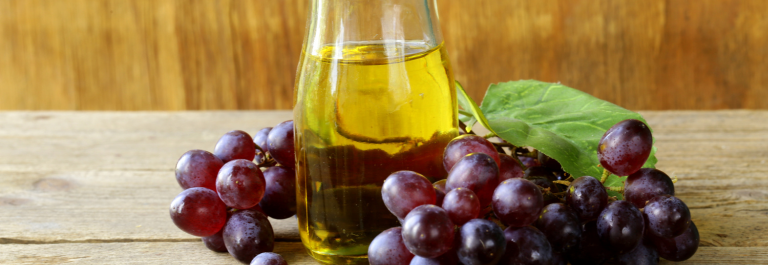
(363, 111)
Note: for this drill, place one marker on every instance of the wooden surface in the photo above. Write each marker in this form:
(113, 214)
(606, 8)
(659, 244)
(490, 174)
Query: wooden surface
(233, 54)
(94, 187)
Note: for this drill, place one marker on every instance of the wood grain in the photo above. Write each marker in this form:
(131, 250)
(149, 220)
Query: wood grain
(242, 54)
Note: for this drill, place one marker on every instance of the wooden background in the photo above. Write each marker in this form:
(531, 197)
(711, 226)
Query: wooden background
(192, 55)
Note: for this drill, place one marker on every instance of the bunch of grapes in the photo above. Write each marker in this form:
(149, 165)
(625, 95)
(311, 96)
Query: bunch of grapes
(496, 208)
(229, 193)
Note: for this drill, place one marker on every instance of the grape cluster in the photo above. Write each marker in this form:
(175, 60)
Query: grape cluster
(229, 193)
(523, 208)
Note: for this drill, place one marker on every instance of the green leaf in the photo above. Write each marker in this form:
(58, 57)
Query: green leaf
(469, 113)
(561, 122)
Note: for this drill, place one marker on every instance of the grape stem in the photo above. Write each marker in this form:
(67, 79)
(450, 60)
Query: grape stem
(619, 189)
(674, 179)
(605, 176)
(564, 182)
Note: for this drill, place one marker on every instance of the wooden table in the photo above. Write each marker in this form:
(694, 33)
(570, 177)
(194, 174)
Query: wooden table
(94, 187)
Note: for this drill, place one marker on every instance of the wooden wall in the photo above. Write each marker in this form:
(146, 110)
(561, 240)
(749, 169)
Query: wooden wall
(220, 54)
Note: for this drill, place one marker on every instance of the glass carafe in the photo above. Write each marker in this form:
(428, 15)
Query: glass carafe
(374, 95)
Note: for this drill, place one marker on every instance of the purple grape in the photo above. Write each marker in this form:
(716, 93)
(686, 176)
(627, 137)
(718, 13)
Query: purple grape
(240, 184)
(666, 216)
(428, 231)
(539, 171)
(480, 242)
(439, 191)
(645, 184)
(560, 225)
(215, 242)
(449, 258)
(388, 248)
(517, 202)
(589, 250)
(549, 162)
(259, 158)
(526, 245)
(587, 197)
(643, 254)
(529, 162)
(279, 199)
(558, 258)
(268, 258)
(679, 248)
(235, 145)
(280, 144)
(477, 172)
(467, 144)
(509, 168)
(620, 226)
(198, 211)
(462, 205)
(405, 190)
(248, 233)
(625, 147)
(260, 138)
(198, 168)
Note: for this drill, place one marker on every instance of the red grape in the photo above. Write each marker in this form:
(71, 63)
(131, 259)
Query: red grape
(666, 216)
(428, 231)
(388, 248)
(560, 225)
(643, 254)
(529, 162)
(260, 138)
(247, 234)
(449, 258)
(625, 147)
(215, 242)
(620, 226)
(405, 190)
(526, 245)
(268, 258)
(280, 144)
(509, 168)
(587, 197)
(279, 199)
(679, 248)
(198, 168)
(480, 242)
(439, 191)
(477, 172)
(462, 205)
(589, 250)
(198, 211)
(235, 145)
(466, 144)
(645, 184)
(517, 202)
(240, 184)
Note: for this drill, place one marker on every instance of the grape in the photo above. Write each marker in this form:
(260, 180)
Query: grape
(625, 147)
(268, 258)
(517, 202)
(620, 226)
(260, 138)
(526, 245)
(466, 144)
(538, 171)
(529, 162)
(439, 191)
(587, 197)
(645, 184)
(449, 258)
(198, 168)
(480, 242)
(247, 234)
(643, 254)
(462, 205)
(215, 242)
(240, 184)
(198, 211)
(679, 248)
(428, 231)
(235, 145)
(388, 248)
(477, 172)
(279, 199)
(280, 144)
(589, 250)
(559, 258)
(509, 168)
(259, 158)
(405, 190)
(549, 162)
(560, 225)
(666, 216)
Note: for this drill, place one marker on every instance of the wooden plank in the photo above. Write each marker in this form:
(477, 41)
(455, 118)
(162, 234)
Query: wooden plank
(177, 55)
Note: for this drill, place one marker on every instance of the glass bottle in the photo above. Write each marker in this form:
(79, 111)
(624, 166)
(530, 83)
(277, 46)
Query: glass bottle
(374, 95)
